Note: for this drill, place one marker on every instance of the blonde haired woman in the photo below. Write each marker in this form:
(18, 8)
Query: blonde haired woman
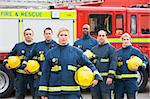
(57, 80)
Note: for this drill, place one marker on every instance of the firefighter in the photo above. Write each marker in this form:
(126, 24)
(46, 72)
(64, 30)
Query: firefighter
(106, 63)
(38, 53)
(22, 78)
(86, 42)
(57, 79)
(126, 79)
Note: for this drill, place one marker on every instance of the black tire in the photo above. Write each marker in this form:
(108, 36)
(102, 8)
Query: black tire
(142, 79)
(6, 82)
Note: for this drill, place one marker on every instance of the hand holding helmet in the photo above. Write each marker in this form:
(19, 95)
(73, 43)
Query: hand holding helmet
(133, 63)
(13, 62)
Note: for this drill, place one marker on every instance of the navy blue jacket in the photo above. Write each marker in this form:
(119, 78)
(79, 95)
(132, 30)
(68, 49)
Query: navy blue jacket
(59, 68)
(106, 61)
(123, 54)
(39, 51)
(20, 49)
(86, 43)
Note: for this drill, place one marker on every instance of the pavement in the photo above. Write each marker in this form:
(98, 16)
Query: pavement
(86, 94)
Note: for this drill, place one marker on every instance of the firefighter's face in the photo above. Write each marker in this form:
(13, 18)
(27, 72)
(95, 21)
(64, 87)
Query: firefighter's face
(63, 37)
(126, 41)
(101, 37)
(48, 35)
(86, 30)
(28, 35)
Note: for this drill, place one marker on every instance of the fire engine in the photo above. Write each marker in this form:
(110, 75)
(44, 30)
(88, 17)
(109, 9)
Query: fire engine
(116, 19)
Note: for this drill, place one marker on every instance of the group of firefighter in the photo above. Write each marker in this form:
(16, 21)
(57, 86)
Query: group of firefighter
(57, 70)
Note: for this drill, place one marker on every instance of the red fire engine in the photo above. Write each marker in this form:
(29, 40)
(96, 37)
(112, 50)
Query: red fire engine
(116, 17)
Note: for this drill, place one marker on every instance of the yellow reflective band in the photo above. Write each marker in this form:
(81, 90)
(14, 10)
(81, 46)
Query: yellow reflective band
(104, 60)
(126, 76)
(134, 40)
(104, 74)
(35, 57)
(143, 64)
(43, 88)
(21, 57)
(21, 71)
(5, 60)
(39, 73)
(64, 88)
(73, 68)
(112, 72)
(56, 68)
(24, 62)
(21, 29)
(96, 72)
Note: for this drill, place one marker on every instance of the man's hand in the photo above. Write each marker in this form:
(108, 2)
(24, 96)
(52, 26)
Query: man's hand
(43, 97)
(109, 81)
(7, 66)
(26, 70)
(95, 82)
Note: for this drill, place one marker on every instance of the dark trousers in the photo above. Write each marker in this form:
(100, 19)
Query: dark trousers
(128, 86)
(36, 86)
(64, 96)
(21, 82)
(102, 91)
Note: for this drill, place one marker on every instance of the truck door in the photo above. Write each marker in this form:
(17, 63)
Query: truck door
(9, 34)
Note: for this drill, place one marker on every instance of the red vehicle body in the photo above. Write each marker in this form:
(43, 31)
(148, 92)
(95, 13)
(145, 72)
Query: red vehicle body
(114, 16)
(116, 21)
(122, 20)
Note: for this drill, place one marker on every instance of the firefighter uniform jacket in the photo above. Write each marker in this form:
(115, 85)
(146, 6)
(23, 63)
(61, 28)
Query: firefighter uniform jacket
(106, 62)
(123, 55)
(21, 49)
(86, 43)
(59, 68)
(39, 51)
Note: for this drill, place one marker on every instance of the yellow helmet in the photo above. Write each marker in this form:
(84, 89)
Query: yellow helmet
(32, 66)
(13, 61)
(89, 54)
(133, 63)
(84, 76)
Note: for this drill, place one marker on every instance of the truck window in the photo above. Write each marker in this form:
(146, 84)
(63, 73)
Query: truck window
(100, 22)
(133, 24)
(119, 24)
(145, 25)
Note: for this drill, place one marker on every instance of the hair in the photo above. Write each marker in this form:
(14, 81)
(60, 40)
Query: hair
(125, 35)
(48, 28)
(63, 29)
(86, 25)
(102, 31)
(27, 30)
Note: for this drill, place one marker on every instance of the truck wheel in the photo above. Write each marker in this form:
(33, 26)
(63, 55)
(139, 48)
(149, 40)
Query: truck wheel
(142, 79)
(6, 82)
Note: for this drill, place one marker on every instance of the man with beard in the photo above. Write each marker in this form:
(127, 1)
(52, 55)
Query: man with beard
(86, 42)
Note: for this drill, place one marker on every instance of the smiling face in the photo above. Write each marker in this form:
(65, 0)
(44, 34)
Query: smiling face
(126, 40)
